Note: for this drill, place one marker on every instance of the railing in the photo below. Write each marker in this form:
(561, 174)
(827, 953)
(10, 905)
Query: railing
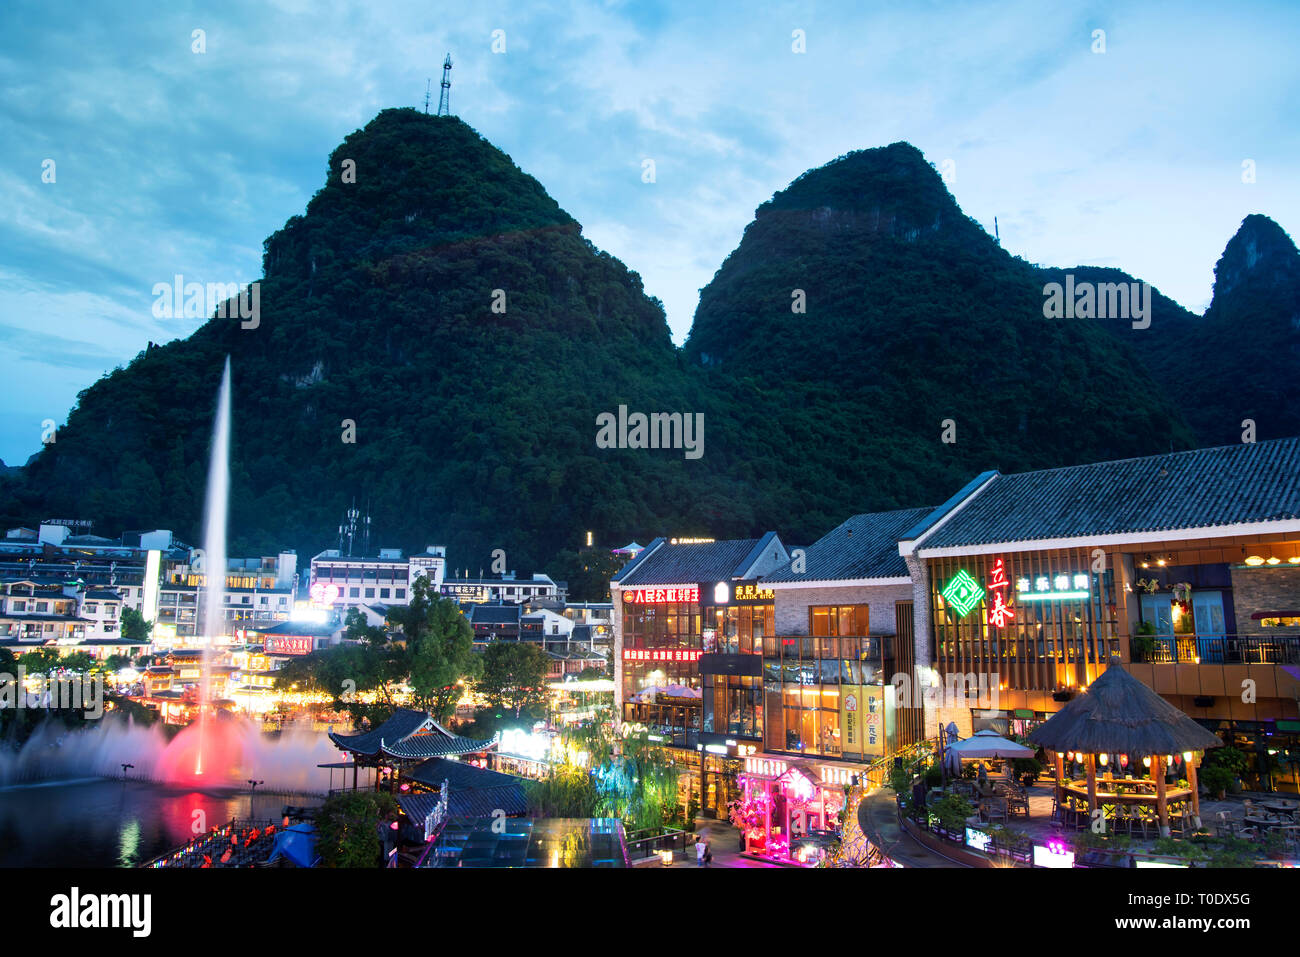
(1217, 649)
(1013, 848)
(654, 840)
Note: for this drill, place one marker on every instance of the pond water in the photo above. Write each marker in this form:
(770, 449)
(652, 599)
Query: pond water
(98, 822)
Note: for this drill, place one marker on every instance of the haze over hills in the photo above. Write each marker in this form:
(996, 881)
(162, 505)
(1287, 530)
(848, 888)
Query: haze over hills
(476, 428)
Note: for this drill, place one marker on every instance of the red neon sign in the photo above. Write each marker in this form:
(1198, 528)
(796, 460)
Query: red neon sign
(1001, 612)
(661, 654)
(662, 595)
(288, 645)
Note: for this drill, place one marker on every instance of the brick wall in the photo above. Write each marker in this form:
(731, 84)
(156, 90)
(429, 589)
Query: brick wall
(792, 605)
(1264, 589)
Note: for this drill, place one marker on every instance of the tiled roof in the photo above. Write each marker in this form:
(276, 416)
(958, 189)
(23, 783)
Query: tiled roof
(408, 734)
(865, 546)
(298, 629)
(494, 614)
(684, 564)
(479, 802)
(1230, 485)
(433, 772)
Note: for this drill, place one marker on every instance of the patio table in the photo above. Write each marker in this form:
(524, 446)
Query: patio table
(1172, 795)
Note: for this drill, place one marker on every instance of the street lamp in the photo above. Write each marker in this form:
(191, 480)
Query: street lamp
(125, 768)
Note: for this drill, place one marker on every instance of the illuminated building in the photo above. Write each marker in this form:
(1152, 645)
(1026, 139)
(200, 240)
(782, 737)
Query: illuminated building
(686, 656)
(385, 578)
(1186, 566)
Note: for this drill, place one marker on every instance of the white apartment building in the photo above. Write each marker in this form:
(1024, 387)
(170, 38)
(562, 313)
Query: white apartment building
(345, 581)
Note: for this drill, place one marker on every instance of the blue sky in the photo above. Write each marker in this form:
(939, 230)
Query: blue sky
(170, 161)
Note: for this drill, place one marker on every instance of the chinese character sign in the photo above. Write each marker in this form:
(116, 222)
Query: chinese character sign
(1001, 612)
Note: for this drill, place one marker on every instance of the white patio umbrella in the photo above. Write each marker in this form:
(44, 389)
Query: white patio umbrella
(989, 744)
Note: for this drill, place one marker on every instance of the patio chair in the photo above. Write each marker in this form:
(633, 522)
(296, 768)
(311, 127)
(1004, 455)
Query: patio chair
(1226, 825)
(995, 809)
(1146, 820)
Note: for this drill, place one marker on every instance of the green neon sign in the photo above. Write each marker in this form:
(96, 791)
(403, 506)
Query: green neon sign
(963, 593)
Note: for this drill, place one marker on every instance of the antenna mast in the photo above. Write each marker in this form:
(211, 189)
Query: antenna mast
(444, 105)
(428, 84)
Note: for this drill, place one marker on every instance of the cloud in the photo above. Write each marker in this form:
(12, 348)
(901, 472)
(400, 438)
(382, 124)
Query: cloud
(172, 162)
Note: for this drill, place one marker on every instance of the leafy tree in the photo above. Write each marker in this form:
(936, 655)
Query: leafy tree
(134, 625)
(348, 823)
(587, 571)
(441, 658)
(514, 675)
(39, 660)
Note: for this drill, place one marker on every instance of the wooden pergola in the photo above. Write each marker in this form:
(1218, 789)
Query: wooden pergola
(1119, 715)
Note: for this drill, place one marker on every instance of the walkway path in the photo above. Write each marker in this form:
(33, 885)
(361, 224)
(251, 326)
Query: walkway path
(878, 817)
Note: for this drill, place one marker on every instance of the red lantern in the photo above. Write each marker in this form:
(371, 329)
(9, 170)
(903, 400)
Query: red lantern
(1123, 760)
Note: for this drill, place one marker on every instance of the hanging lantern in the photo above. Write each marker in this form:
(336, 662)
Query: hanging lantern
(1123, 760)
(1178, 759)
(1101, 759)
(1187, 756)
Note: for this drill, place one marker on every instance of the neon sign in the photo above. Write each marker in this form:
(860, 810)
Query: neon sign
(661, 654)
(663, 595)
(287, 645)
(1001, 612)
(753, 593)
(1057, 588)
(324, 594)
(963, 593)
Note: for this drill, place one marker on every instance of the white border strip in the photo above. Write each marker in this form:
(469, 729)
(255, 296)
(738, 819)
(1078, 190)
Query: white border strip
(1130, 538)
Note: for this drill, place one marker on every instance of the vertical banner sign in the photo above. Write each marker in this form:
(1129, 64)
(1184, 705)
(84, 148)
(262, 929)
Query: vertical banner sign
(873, 721)
(1001, 612)
(851, 719)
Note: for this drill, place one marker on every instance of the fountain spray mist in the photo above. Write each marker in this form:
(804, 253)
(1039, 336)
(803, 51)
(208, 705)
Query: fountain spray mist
(214, 551)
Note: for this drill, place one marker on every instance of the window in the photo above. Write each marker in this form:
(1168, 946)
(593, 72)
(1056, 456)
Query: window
(370, 593)
(833, 620)
(384, 592)
(354, 592)
(92, 608)
(401, 592)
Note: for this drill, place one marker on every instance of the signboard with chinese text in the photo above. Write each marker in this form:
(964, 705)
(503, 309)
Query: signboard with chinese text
(662, 594)
(287, 644)
(661, 654)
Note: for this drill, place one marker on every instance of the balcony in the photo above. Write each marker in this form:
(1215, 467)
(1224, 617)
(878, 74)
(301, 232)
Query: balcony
(1216, 649)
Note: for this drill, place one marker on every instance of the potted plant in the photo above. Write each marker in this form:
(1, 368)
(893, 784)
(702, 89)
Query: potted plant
(951, 812)
(1144, 641)
(1027, 770)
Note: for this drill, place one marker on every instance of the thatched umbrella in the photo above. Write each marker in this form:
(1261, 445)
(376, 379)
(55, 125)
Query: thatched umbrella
(1118, 714)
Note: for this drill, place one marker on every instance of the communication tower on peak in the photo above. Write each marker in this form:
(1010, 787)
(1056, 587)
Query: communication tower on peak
(428, 84)
(444, 104)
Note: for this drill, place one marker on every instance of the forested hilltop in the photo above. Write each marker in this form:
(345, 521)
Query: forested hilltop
(475, 427)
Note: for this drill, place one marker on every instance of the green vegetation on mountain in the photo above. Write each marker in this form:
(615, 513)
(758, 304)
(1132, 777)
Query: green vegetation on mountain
(446, 313)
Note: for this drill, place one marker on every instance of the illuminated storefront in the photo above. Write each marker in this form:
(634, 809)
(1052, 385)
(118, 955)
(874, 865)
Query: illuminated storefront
(1185, 568)
(790, 809)
(688, 652)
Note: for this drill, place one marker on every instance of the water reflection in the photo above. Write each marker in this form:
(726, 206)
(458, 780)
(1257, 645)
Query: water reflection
(101, 823)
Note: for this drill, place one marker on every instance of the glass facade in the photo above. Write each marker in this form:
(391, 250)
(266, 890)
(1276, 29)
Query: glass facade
(813, 684)
(662, 687)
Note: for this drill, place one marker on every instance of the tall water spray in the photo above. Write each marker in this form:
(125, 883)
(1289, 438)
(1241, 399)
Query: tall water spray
(214, 552)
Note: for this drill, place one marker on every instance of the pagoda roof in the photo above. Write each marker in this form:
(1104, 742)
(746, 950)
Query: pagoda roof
(409, 735)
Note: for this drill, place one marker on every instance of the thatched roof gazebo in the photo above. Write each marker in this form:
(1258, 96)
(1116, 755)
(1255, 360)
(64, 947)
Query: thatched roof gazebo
(1119, 715)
